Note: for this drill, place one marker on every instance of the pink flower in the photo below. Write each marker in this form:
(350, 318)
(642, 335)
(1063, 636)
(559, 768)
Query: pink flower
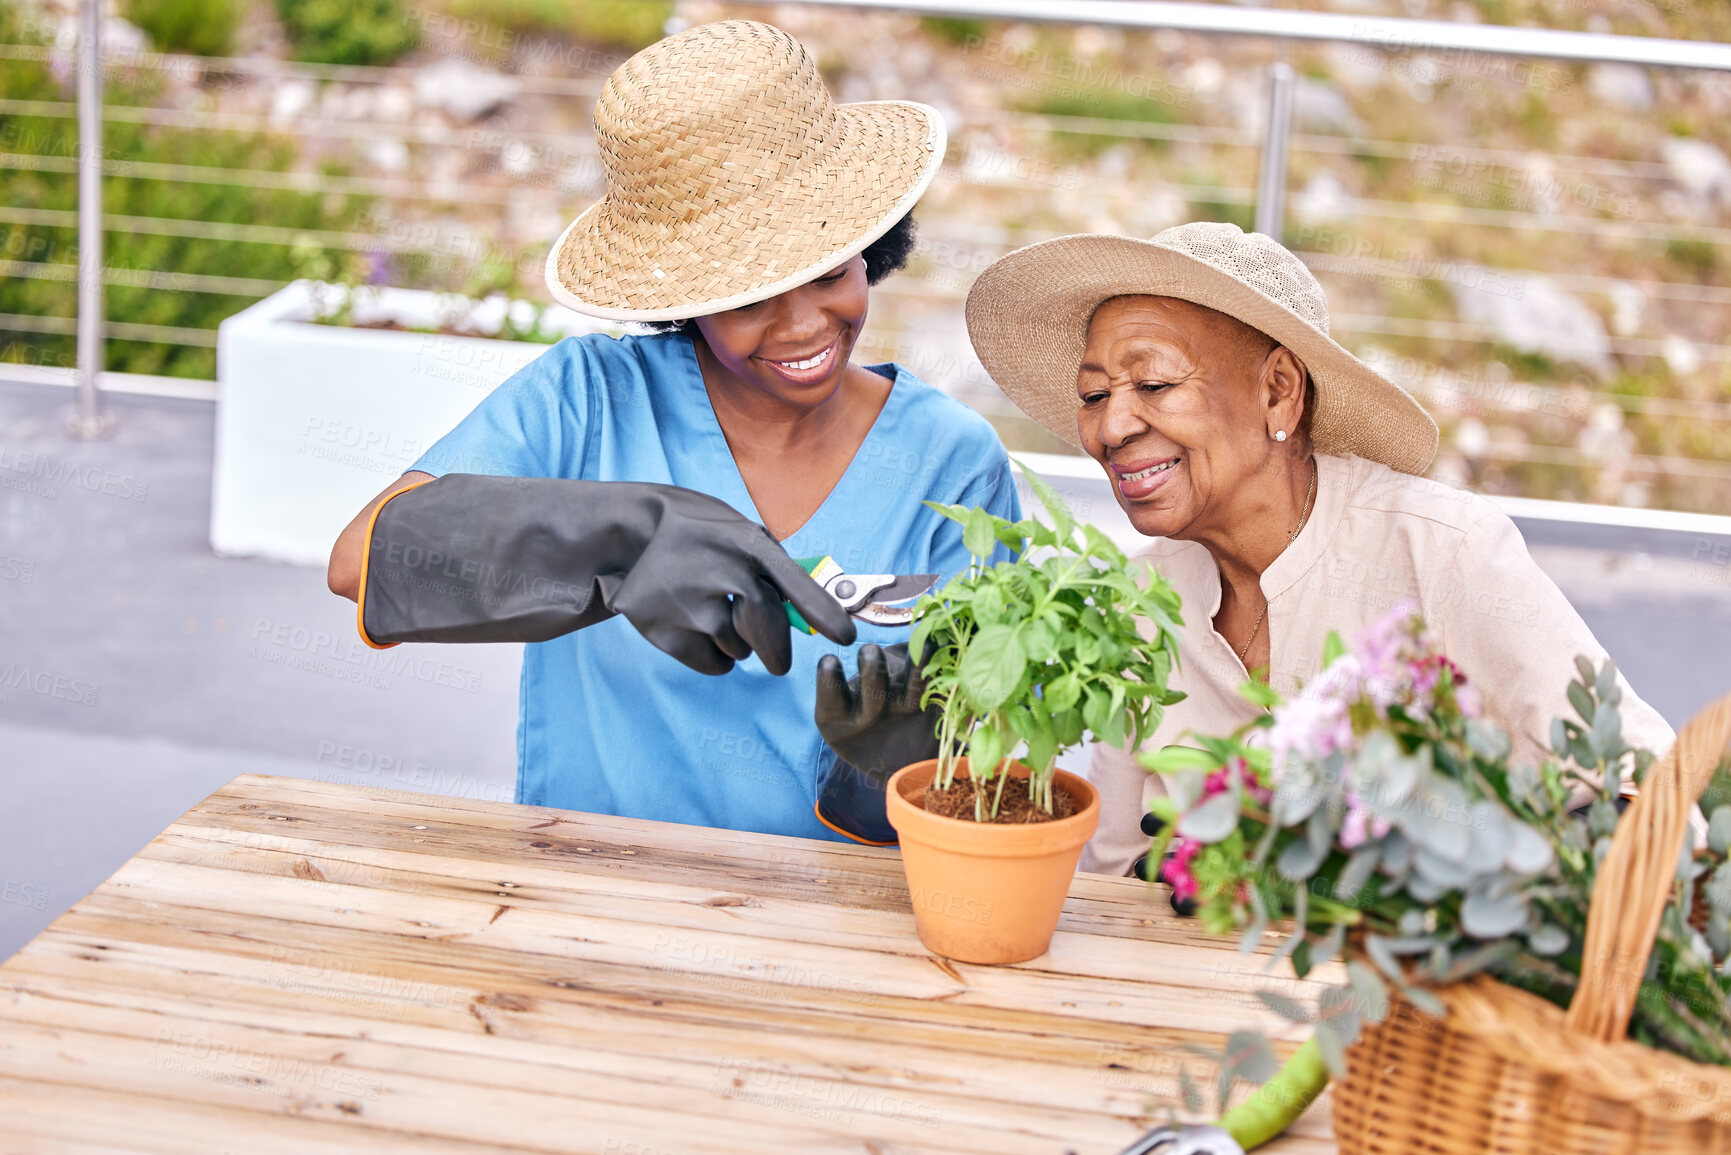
(1310, 727)
(1220, 781)
(1175, 871)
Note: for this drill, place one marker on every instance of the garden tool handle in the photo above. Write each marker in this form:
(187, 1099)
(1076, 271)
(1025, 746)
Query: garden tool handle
(810, 565)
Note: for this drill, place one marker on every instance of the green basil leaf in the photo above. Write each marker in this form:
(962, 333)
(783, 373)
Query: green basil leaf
(980, 533)
(985, 751)
(991, 667)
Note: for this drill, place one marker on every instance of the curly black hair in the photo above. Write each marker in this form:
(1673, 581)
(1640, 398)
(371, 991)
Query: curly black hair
(886, 255)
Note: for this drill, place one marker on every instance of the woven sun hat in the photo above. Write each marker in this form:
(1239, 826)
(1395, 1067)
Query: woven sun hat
(732, 177)
(1028, 315)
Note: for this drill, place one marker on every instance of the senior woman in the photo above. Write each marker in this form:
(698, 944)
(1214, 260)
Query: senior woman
(1280, 478)
(629, 506)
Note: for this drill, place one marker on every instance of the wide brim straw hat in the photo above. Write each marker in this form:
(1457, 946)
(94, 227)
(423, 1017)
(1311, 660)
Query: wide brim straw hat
(1028, 316)
(731, 177)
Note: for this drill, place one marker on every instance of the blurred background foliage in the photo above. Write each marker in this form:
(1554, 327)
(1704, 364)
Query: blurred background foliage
(201, 27)
(625, 25)
(139, 254)
(344, 31)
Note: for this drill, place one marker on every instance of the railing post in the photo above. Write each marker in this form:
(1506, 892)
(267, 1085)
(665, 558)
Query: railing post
(88, 419)
(1271, 184)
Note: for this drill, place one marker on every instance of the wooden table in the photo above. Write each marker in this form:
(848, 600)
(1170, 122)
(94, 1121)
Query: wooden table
(306, 967)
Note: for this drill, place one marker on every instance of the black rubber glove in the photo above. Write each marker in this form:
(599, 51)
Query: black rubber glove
(466, 558)
(875, 723)
(1151, 826)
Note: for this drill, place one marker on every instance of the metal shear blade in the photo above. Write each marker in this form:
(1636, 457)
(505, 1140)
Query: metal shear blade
(882, 599)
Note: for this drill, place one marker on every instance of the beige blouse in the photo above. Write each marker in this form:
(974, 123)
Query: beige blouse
(1374, 536)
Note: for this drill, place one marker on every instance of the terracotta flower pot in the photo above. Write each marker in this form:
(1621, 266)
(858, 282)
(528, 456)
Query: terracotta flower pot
(985, 892)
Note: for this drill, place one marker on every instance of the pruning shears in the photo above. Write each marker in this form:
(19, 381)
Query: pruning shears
(883, 599)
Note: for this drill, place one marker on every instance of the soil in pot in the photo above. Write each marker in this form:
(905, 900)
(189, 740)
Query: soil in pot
(1014, 808)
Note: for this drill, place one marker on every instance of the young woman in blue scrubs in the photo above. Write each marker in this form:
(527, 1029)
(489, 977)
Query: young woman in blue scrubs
(630, 506)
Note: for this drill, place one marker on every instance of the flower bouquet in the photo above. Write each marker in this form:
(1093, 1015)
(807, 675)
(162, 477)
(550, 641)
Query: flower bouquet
(1379, 812)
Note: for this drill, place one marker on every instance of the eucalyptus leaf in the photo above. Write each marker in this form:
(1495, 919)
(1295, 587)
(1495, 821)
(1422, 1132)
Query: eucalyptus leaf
(1527, 851)
(1489, 825)
(1258, 928)
(1286, 1008)
(1294, 802)
(1607, 727)
(1607, 678)
(1300, 919)
(1299, 860)
(1719, 831)
(1250, 1056)
(1442, 827)
(1189, 1091)
(1397, 852)
(1332, 942)
(1559, 738)
(1482, 958)
(1370, 994)
(1333, 1048)
(1185, 789)
(1379, 952)
(1215, 819)
(1549, 939)
(1424, 1001)
(1441, 871)
(1320, 829)
(1581, 701)
(1485, 915)
(1588, 676)
(1487, 740)
(1357, 871)
(1423, 889)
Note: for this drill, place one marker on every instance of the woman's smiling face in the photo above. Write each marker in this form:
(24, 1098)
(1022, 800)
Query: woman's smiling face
(795, 346)
(1179, 403)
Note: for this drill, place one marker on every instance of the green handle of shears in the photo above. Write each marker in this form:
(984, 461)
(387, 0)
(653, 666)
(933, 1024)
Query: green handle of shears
(797, 619)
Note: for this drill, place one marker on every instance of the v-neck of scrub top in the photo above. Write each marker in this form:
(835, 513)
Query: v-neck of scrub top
(729, 485)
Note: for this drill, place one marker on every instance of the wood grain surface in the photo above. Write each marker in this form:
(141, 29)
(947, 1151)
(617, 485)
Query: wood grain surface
(297, 966)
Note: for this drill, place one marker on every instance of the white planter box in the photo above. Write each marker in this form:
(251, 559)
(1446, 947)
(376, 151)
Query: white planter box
(312, 421)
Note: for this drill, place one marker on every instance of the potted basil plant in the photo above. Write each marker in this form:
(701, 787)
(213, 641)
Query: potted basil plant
(1023, 659)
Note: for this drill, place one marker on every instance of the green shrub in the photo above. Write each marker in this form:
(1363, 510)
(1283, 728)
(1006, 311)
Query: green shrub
(139, 252)
(201, 27)
(627, 24)
(955, 29)
(1100, 104)
(348, 31)
(623, 24)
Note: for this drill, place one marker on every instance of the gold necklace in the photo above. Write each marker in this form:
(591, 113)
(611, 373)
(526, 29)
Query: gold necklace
(1302, 518)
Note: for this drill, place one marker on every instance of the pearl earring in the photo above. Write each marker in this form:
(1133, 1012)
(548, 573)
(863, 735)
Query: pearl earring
(1280, 435)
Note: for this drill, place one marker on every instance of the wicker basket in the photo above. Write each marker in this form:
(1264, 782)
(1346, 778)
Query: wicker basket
(1508, 1073)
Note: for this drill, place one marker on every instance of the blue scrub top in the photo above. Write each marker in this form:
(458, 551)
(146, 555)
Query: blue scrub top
(610, 724)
